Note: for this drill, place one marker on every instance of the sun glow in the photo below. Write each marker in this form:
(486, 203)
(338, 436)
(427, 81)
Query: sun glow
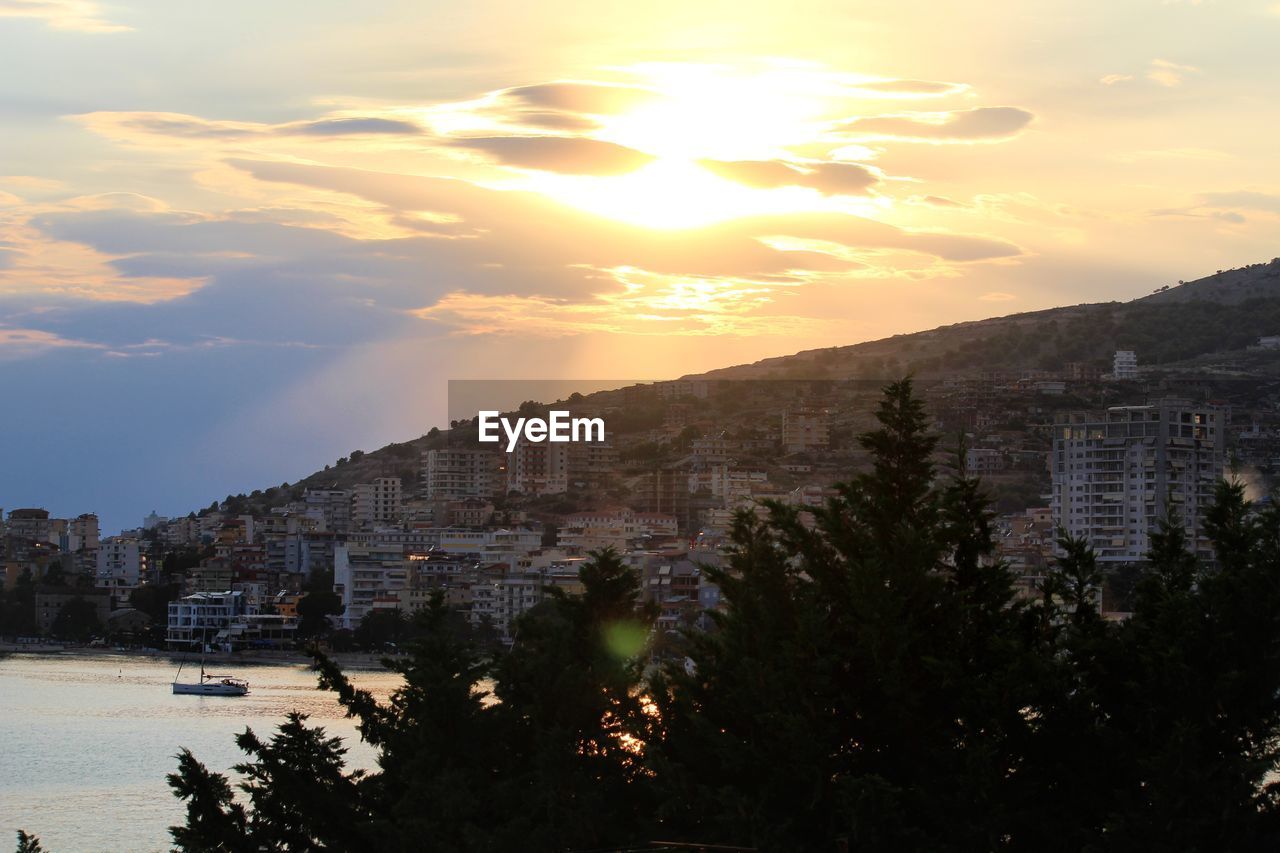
(705, 113)
(712, 113)
(672, 193)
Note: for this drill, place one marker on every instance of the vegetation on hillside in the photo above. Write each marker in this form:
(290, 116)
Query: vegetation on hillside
(872, 682)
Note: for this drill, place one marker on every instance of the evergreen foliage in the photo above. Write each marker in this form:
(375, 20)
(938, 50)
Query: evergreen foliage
(873, 681)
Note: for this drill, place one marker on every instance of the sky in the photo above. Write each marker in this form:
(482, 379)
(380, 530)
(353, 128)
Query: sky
(241, 239)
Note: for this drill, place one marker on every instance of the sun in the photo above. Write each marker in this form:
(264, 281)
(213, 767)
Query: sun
(714, 113)
(703, 113)
(671, 193)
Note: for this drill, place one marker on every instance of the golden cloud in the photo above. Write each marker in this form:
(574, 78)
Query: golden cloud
(569, 155)
(79, 15)
(980, 124)
(646, 304)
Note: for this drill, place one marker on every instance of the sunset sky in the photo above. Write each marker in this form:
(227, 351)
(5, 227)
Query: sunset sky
(241, 239)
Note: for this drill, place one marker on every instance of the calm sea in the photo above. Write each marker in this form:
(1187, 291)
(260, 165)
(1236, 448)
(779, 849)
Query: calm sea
(86, 741)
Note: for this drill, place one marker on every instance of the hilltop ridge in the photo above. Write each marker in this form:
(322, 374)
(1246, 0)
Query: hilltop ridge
(1190, 326)
(1158, 324)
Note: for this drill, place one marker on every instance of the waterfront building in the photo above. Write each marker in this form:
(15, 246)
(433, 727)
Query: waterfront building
(201, 616)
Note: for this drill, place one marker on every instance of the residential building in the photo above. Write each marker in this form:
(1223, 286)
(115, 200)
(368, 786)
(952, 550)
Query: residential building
(378, 502)
(538, 468)
(804, 430)
(1124, 365)
(500, 594)
(500, 545)
(450, 474)
(82, 533)
(30, 524)
(985, 460)
(50, 600)
(633, 523)
(331, 506)
(592, 462)
(198, 618)
(1116, 474)
(122, 566)
(362, 573)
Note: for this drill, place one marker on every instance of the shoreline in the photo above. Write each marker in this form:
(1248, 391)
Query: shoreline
(261, 657)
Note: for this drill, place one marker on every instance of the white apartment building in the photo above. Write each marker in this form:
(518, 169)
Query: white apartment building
(631, 522)
(122, 566)
(454, 473)
(1115, 474)
(200, 617)
(378, 502)
(1124, 365)
(363, 573)
(734, 485)
(493, 546)
(501, 597)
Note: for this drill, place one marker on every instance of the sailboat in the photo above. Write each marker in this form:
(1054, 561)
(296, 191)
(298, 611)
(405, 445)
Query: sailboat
(209, 684)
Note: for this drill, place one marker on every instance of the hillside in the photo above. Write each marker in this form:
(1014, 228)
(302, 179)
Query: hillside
(1223, 312)
(1228, 287)
(1203, 328)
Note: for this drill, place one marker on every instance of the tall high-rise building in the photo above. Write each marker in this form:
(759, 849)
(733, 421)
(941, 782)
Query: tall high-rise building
(1116, 474)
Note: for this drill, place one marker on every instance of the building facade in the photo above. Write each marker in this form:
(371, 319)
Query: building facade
(378, 502)
(455, 473)
(1124, 365)
(1117, 474)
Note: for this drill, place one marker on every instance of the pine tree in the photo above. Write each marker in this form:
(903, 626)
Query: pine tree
(859, 683)
(570, 712)
(28, 843)
(438, 749)
(215, 822)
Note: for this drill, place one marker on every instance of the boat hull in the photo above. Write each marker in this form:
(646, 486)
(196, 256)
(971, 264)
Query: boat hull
(209, 689)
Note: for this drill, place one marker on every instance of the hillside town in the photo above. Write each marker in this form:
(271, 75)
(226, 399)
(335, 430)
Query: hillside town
(1097, 451)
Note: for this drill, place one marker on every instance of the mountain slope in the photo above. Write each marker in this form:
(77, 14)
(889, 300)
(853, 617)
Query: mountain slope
(1191, 326)
(1227, 311)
